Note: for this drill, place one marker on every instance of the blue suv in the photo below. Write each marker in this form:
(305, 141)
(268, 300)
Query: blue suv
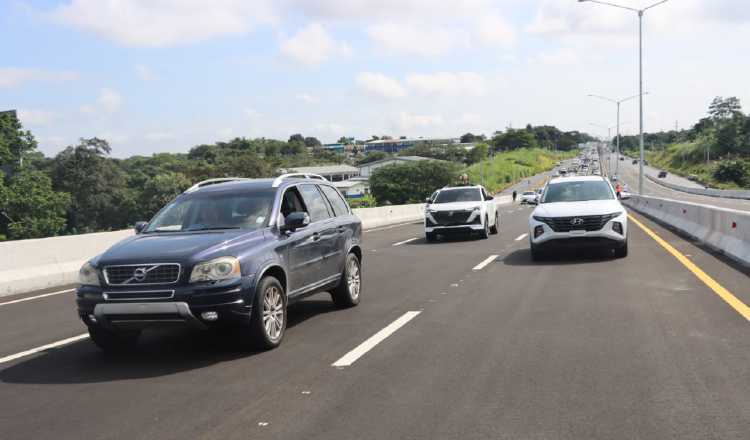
(227, 253)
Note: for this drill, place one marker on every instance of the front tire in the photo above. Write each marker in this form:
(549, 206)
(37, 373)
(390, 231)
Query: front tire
(494, 229)
(268, 318)
(114, 342)
(485, 233)
(348, 291)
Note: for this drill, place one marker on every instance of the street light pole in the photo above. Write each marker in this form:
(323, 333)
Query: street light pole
(617, 102)
(640, 73)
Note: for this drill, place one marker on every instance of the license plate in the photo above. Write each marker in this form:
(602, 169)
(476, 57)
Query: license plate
(578, 232)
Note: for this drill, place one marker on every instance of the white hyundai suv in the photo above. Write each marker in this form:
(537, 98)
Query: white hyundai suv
(460, 210)
(578, 211)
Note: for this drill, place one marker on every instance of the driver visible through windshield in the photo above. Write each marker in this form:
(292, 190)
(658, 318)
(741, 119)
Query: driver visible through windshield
(577, 191)
(214, 212)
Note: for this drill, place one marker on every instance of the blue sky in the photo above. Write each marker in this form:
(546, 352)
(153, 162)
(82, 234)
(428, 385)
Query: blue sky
(165, 75)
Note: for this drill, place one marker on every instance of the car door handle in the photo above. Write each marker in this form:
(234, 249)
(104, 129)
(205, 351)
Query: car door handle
(316, 236)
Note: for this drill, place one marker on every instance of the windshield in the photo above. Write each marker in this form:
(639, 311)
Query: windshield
(214, 211)
(459, 195)
(577, 191)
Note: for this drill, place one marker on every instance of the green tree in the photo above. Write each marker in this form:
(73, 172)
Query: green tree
(160, 190)
(15, 142)
(411, 182)
(732, 171)
(29, 207)
(514, 139)
(478, 153)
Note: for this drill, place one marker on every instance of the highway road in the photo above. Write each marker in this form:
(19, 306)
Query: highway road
(480, 342)
(629, 174)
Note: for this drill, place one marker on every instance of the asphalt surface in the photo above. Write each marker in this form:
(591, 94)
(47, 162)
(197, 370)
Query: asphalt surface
(629, 174)
(581, 346)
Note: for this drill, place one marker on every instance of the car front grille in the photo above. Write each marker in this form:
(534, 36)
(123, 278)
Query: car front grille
(138, 295)
(577, 223)
(450, 218)
(142, 274)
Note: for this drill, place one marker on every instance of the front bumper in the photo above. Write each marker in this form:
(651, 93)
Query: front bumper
(607, 235)
(174, 305)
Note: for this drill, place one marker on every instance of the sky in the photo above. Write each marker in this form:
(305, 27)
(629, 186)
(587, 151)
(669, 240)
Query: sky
(166, 75)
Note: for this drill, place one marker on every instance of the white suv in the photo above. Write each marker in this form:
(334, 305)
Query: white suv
(578, 211)
(460, 210)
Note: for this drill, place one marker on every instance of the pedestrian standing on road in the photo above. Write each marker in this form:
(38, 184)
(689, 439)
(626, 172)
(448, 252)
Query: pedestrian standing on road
(514, 195)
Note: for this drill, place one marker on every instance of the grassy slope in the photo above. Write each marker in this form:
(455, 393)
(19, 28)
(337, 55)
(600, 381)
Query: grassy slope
(510, 167)
(687, 158)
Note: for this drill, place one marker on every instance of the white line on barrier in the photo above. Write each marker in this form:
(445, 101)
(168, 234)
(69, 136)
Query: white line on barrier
(36, 297)
(521, 237)
(392, 226)
(484, 263)
(43, 348)
(405, 241)
(359, 351)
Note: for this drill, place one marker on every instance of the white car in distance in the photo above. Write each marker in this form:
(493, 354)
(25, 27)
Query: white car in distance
(578, 212)
(462, 209)
(528, 197)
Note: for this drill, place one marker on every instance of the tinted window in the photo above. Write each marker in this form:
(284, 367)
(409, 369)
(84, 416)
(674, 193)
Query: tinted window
(214, 211)
(578, 191)
(316, 206)
(339, 205)
(459, 195)
(292, 202)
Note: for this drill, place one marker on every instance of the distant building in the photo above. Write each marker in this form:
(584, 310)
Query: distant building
(333, 173)
(366, 169)
(353, 188)
(396, 145)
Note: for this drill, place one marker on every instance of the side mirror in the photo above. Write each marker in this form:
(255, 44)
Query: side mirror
(428, 200)
(489, 198)
(294, 221)
(140, 226)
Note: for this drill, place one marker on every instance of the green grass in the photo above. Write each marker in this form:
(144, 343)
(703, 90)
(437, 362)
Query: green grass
(684, 159)
(511, 167)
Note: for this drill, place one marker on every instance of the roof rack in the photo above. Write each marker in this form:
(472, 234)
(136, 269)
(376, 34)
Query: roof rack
(216, 181)
(281, 178)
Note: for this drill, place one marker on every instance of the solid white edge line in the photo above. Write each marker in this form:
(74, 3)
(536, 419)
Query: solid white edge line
(383, 228)
(36, 297)
(43, 347)
(351, 357)
(522, 236)
(487, 261)
(405, 241)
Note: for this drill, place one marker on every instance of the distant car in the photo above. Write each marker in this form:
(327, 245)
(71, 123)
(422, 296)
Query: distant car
(463, 209)
(578, 212)
(662, 174)
(614, 178)
(693, 178)
(635, 161)
(622, 158)
(528, 197)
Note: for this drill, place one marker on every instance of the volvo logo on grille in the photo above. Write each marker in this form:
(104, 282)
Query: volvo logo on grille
(140, 274)
(576, 221)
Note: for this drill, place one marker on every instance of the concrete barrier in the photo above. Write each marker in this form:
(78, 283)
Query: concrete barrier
(725, 230)
(723, 193)
(28, 265)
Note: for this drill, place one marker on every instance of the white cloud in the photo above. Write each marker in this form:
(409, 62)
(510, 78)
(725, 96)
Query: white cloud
(407, 121)
(416, 39)
(493, 30)
(312, 46)
(145, 73)
(307, 98)
(560, 57)
(251, 113)
(160, 136)
(448, 84)
(163, 23)
(377, 84)
(109, 101)
(388, 9)
(11, 77)
(36, 117)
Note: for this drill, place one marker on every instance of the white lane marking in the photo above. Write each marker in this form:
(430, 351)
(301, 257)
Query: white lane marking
(351, 357)
(405, 241)
(487, 261)
(43, 348)
(36, 297)
(521, 237)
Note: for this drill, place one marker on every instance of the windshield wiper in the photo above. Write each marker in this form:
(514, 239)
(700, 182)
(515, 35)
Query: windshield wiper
(161, 230)
(213, 228)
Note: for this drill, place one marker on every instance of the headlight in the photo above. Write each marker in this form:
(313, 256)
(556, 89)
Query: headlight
(223, 268)
(88, 275)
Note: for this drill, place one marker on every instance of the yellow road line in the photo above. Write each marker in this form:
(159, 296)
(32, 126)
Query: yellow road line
(718, 289)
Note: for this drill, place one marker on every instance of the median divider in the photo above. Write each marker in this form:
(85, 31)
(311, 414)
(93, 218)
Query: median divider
(723, 193)
(722, 229)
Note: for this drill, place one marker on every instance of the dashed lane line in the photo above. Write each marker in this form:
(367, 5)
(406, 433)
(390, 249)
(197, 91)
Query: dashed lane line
(45, 347)
(15, 301)
(484, 263)
(359, 351)
(521, 237)
(405, 241)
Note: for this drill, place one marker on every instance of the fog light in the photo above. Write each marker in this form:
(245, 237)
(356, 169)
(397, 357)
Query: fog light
(210, 316)
(617, 227)
(539, 230)
(92, 319)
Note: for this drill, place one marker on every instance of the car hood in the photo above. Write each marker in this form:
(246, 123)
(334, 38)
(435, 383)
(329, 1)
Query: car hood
(175, 247)
(456, 206)
(569, 209)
